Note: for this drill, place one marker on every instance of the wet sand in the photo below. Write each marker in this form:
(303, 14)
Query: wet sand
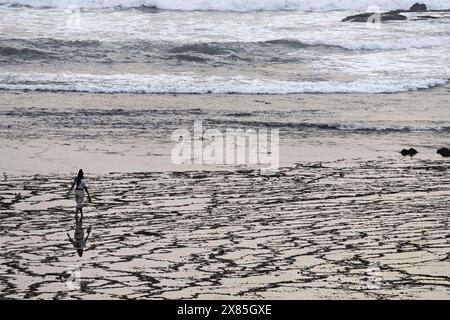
(370, 230)
(43, 132)
(345, 218)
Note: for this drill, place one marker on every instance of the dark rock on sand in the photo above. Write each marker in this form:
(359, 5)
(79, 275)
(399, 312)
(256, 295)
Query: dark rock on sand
(411, 152)
(418, 7)
(445, 152)
(374, 17)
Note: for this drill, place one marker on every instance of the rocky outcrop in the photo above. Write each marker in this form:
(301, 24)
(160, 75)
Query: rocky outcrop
(394, 15)
(374, 17)
(418, 7)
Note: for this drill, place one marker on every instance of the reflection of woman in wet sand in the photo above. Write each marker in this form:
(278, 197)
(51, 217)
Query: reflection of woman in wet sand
(79, 243)
(81, 186)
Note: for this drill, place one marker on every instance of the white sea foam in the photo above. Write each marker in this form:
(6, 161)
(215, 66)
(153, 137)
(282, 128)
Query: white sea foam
(189, 84)
(239, 5)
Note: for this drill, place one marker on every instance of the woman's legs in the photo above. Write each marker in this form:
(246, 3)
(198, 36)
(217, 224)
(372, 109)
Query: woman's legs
(79, 197)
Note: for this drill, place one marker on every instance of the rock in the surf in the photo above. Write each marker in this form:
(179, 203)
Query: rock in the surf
(418, 7)
(374, 17)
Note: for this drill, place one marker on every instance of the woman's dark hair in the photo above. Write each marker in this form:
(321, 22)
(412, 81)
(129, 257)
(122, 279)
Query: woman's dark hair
(79, 177)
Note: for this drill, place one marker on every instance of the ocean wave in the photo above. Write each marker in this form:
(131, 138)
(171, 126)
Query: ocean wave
(217, 53)
(189, 84)
(197, 51)
(423, 42)
(20, 52)
(332, 126)
(202, 47)
(234, 5)
(302, 44)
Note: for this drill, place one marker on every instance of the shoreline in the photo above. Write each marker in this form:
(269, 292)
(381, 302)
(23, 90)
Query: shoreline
(436, 90)
(100, 143)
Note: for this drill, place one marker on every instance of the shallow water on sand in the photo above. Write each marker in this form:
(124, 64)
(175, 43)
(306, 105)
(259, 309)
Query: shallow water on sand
(313, 231)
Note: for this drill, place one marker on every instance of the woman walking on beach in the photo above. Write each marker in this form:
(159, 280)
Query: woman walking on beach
(81, 186)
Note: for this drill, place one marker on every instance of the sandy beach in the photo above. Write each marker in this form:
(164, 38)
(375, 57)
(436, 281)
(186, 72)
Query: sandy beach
(362, 224)
(132, 132)
(329, 209)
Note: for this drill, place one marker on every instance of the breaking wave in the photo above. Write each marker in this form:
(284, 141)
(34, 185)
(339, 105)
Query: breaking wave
(188, 84)
(234, 5)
